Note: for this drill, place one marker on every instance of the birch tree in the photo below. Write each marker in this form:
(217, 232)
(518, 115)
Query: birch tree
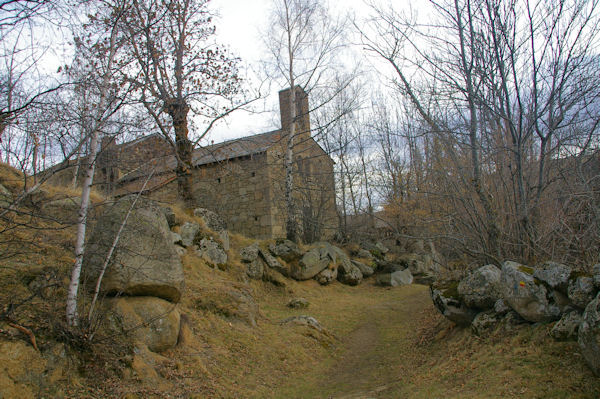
(98, 60)
(303, 43)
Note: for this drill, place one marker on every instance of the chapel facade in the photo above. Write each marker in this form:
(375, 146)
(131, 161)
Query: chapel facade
(242, 180)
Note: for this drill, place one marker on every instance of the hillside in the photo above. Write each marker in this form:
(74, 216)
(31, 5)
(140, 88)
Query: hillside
(370, 341)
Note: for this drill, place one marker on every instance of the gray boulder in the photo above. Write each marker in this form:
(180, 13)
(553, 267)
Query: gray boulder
(395, 279)
(501, 308)
(566, 328)
(144, 262)
(249, 253)
(366, 271)
(327, 276)
(176, 238)
(589, 335)
(554, 275)
(484, 322)
(286, 250)
(481, 288)
(525, 295)
(303, 320)
(298, 303)
(188, 233)
(581, 291)
(216, 223)
(274, 264)
(152, 321)
(169, 215)
(212, 253)
(450, 306)
(255, 269)
(310, 265)
(364, 254)
(348, 273)
(596, 275)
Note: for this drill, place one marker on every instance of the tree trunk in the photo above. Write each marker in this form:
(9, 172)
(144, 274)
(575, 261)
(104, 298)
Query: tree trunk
(183, 147)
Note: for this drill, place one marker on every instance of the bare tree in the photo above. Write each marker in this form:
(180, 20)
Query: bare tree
(498, 83)
(179, 72)
(303, 43)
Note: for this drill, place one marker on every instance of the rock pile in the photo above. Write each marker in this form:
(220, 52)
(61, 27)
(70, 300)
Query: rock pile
(516, 293)
(144, 271)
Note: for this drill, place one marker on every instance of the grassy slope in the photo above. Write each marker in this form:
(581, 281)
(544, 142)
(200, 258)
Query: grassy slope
(380, 343)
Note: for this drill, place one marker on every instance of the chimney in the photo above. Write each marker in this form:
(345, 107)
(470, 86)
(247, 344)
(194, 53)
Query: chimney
(302, 117)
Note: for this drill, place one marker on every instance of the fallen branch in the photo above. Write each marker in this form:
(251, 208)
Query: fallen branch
(27, 332)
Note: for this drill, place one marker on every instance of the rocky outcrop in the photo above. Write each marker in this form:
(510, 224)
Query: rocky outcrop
(484, 322)
(526, 295)
(212, 253)
(150, 321)
(589, 335)
(554, 275)
(366, 270)
(395, 279)
(311, 264)
(188, 233)
(581, 291)
(481, 288)
(327, 276)
(216, 223)
(286, 250)
(568, 325)
(298, 303)
(144, 262)
(348, 273)
(446, 300)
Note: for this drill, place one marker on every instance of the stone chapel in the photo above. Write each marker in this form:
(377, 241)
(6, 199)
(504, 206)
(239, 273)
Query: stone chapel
(242, 179)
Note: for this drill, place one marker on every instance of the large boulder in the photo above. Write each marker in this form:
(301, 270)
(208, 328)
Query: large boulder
(484, 322)
(273, 263)
(286, 250)
(144, 262)
(566, 328)
(151, 321)
(249, 253)
(395, 279)
(310, 265)
(589, 335)
(214, 222)
(327, 275)
(526, 295)
(447, 302)
(366, 270)
(188, 233)
(212, 253)
(348, 273)
(481, 288)
(581, 291)
(255, 269)
(554, 275)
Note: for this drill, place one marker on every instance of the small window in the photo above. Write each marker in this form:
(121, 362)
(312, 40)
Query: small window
(253, 174)
(256, 218)
(218, 180)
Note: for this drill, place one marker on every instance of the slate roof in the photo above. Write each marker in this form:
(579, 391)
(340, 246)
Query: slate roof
(226, 150)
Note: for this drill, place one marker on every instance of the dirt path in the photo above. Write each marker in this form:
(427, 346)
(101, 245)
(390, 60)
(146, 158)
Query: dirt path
(380, 350)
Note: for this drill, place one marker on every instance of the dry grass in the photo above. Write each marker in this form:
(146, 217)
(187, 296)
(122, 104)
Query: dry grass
(385, 343)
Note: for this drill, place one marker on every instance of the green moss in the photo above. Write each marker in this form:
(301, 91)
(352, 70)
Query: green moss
(526, 269)
(451, 291)
(376, 253)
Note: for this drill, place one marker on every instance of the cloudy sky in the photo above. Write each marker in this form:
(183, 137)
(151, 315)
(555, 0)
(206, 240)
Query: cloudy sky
(239, 27)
